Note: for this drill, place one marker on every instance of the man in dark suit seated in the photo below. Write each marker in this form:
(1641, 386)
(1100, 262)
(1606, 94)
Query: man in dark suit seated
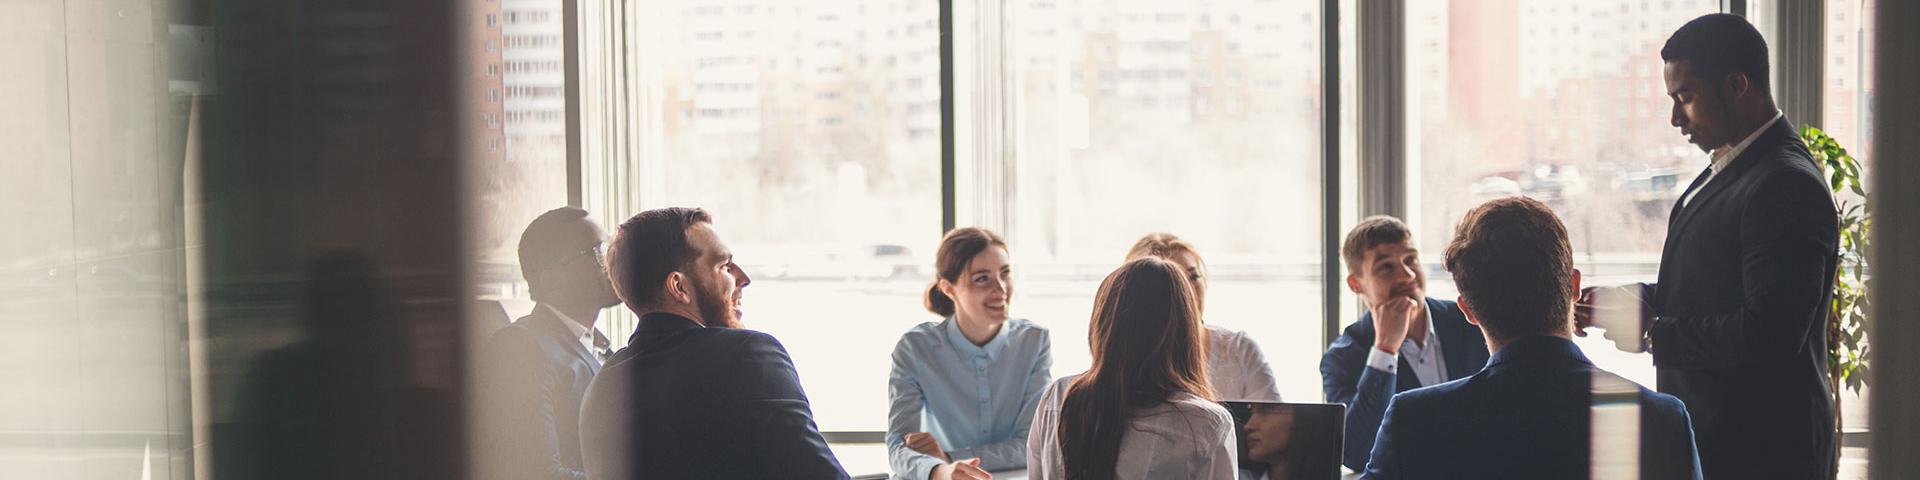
(535, 371)
(1737, 322)
(693, 395)
(1539, 409)
(1404, 340)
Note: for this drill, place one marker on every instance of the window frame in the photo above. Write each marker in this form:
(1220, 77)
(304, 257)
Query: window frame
(1379, 177)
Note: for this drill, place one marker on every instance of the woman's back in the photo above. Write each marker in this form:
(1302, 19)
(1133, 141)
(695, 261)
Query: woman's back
(1187, 437)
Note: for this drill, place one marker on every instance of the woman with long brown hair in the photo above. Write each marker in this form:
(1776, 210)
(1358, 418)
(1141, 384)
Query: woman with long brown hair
(1236, 368)
(963, 388)
(1144, 410)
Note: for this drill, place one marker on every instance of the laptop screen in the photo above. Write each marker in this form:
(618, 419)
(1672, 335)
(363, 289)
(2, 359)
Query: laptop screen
(1288, 441)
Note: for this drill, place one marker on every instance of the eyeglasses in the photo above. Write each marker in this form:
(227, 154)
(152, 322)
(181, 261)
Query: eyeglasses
(597, 251)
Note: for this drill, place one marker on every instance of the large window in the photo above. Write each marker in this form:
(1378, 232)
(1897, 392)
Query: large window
(1197, 119)
(1561, 100)
(810, 130)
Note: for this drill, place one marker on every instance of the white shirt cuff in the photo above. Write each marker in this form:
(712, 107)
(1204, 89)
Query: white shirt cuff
(1383, 361)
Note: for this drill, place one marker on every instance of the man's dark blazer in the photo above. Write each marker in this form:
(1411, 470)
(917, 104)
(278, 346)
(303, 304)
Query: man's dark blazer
(1528, 415)
(1741, 304)
(683, 401)
(1346, 379)
(535, 373)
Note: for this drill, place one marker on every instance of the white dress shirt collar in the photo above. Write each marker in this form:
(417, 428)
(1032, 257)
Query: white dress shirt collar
(1720, 158)
(582, 333)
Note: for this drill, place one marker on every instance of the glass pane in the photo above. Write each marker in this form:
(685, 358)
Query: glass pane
(810, 130)
(1849, 90)
(1196, 119)
(92, 272)
(518, 145)
(1848, 104)
(1561, 100)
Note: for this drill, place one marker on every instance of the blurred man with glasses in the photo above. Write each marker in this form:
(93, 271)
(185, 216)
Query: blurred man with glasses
(535, 372)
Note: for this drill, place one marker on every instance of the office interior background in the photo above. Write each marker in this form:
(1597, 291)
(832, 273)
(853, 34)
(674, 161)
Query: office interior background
(206, 193)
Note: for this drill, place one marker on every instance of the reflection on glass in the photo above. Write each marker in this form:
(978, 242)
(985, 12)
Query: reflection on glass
(94, 379)
(1280, 441)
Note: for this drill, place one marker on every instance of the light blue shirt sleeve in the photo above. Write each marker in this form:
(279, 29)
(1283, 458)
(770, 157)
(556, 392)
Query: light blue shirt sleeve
(904, 403)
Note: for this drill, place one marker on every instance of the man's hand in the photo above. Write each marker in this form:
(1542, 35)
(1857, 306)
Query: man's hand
(923, 442)
(1390, 321)
(1583, 310)
(1619, 310)
(968, 469)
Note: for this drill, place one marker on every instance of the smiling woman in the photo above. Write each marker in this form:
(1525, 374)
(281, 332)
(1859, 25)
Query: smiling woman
(965, 387)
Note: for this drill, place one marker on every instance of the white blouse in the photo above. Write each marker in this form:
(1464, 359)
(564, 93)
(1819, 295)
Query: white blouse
(1188, 438)
(1237, 369)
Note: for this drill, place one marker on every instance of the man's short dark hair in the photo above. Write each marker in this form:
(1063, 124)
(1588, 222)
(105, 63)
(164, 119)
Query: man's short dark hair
(1514, 267)
(1717, 45)
(649, 246)
(1371, 232)
(545, 244)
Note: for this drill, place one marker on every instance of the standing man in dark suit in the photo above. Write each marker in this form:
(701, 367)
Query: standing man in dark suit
(1539, 409)
(535, 372)
(693, 395)
(1737, 320)
(1404, 340)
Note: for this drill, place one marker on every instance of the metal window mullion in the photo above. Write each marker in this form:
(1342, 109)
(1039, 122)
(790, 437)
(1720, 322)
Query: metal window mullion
(948, 188)
(1329, 170)
(570, 88)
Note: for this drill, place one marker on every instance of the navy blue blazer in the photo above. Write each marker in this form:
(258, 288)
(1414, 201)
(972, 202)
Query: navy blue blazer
(1527, 415)
(683, 401)
(1346, 379)
(1746, 279)
(534, 374)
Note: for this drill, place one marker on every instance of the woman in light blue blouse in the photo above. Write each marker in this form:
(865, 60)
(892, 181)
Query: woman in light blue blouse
(963, 389)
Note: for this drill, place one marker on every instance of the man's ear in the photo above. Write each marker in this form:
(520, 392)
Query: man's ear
(678, 288)
(1353, 283)
(1468, 311)
(1737, 85)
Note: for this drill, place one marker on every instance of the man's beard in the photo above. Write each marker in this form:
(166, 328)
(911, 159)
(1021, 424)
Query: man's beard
(716, 309)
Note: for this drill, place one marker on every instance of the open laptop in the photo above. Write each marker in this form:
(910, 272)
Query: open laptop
(1290, 441)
